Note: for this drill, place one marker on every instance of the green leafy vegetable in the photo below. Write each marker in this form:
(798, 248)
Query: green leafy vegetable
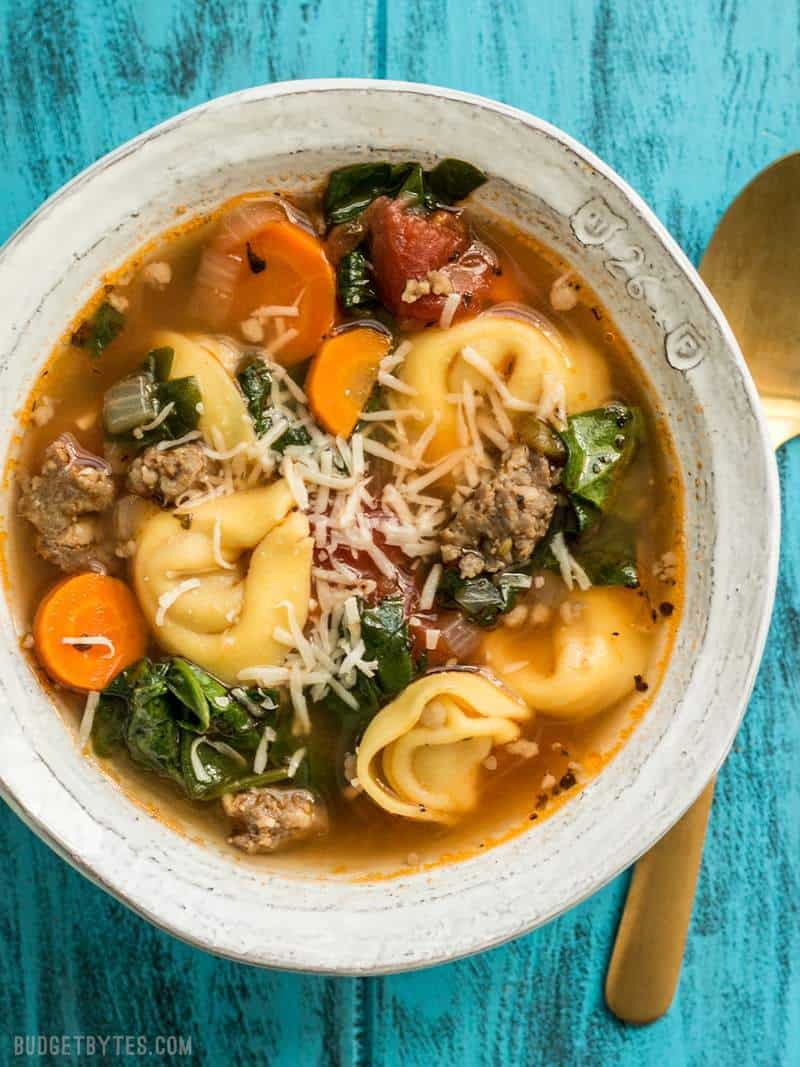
(600, 445)
(452, 179)
(353, 282)
(184, 683)
(153, 737)
(604, 545)
(608, 554)
(295, 435)
(158, 709)
(255, 382)
(159, 363)
(184, 394)
(221, 771)
(352, 189)
(384, 631)
(137, 400)
(108, 726)
(387, 641)
(482, 600)
(413, 190)
(97, 333)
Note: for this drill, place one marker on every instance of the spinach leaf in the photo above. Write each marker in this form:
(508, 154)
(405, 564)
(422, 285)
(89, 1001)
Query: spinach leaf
(482, 600)
(158, 363)
(604, 545)
(153, 736)
(144, 679)
(413, 190)
(353, 282)
(352, 189)
(600, 445)
(108, 727)
(97, 333)
(384, 630)
(224, 773)
(608, 554)
(453, 179)
(255, 382)
(295, 435)
(184, 394)
(184, 683)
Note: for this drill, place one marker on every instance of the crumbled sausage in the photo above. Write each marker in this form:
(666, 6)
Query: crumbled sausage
(167, 475)
(504, 517)
(266, 819)
(65, 502)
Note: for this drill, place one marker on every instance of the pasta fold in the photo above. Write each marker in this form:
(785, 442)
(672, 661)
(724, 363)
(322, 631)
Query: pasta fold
(225, 620)
(421, 755)
(581, 667)
(529, 362)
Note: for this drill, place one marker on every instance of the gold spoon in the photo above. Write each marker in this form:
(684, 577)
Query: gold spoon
(752, 266)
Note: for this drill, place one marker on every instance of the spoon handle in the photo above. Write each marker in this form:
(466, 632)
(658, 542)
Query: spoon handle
(646, 962)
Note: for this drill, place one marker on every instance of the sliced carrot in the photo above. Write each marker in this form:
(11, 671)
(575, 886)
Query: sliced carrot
(93, 606)
(296, 272)
(342, 376)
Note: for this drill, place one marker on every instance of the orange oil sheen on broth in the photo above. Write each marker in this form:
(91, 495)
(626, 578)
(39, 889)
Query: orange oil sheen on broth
(363, 839)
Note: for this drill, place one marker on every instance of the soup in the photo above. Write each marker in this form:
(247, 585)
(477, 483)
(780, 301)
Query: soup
(345, 526)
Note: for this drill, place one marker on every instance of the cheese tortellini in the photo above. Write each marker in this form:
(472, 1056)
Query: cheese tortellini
(421, 755)
(224, 408)
(225, 620)
(578, 668)
(518, 351)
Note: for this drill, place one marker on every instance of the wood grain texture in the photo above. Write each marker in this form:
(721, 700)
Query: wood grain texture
(687, 100)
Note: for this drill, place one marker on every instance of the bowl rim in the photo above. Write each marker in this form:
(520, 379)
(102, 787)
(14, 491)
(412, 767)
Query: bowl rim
(476, 942)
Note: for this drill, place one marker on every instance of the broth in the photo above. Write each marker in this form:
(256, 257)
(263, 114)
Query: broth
(513, 790)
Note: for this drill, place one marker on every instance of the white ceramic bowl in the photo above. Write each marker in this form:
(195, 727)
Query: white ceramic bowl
(563, 194)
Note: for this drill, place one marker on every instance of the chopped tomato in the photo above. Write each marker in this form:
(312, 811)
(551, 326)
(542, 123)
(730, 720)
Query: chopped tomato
(406, 244)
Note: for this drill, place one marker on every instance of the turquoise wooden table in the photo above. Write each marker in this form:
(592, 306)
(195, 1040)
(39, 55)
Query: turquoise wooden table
(687, 100)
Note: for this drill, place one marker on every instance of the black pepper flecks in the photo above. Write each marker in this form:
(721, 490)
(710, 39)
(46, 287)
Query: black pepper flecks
(640, 683)
(568, 780)
(257, 264)
(666, 609)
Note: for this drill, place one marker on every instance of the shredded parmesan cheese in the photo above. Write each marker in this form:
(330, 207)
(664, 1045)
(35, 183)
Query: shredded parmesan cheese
(260, 759)
(294, 763)
(164, 414)
(96, 639)
(476, 360)
(428, 594)
(166, 600)
(87, 719)
(571, 570)
(216, 547)
(164, 446)
(449, 309)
